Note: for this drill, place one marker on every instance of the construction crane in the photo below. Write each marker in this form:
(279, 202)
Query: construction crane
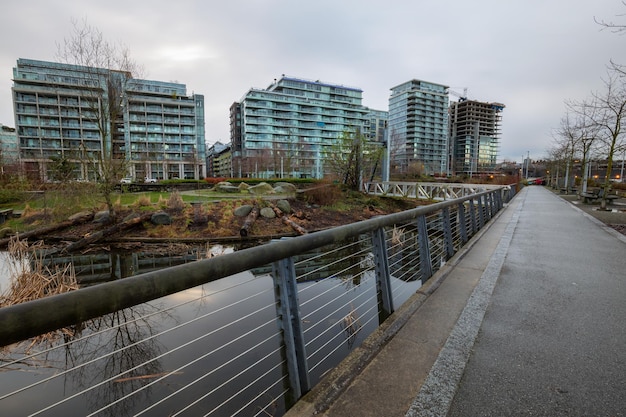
(462, 97)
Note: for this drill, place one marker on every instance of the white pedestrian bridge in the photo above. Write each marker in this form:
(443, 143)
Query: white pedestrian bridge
(438, 191)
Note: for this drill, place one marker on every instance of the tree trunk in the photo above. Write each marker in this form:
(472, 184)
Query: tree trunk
(295, 226)
(47, 229)
(94, 237)
(249, 222)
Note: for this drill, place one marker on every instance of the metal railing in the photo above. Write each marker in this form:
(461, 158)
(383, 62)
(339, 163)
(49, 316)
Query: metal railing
(245, 333)
(426, 190)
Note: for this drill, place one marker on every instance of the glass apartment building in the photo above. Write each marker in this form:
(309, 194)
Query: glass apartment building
(376, 125)
(9, 154)
(475, 136)
(159, 129)
(287, 129)
(418, 128)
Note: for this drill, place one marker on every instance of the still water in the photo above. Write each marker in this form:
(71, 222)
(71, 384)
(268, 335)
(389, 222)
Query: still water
(186, 354)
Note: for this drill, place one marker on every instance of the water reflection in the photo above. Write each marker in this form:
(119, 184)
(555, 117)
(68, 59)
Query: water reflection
(106, 360)
(118, 263)
(214, 348)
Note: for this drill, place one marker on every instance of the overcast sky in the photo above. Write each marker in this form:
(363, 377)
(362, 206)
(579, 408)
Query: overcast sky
(530, 55)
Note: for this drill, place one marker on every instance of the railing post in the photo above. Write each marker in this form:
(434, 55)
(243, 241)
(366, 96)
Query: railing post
(426, 264)
(473, 216)
(497, 196)
(489, 212)
(447, 232)
(383, 283)
(289, 321)
(481, 212)
(462, 223)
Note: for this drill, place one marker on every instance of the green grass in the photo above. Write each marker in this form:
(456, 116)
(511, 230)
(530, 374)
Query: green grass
(127, 199)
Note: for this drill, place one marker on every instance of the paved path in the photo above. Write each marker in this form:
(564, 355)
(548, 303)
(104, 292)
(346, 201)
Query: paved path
(531, 321)
(553, 340)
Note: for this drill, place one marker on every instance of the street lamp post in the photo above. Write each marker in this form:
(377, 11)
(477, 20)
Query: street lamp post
(566, 185)
(621, 172)
(584, 170)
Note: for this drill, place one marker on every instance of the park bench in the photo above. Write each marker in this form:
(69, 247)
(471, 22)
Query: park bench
(597, 194)
(5, 214)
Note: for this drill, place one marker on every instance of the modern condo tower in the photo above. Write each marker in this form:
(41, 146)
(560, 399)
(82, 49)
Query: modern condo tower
(475, 135)
(288, 128)
(418, 128)
(158, 130)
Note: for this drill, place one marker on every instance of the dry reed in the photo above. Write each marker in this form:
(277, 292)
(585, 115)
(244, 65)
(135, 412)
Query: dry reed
(175, 202)
(351, 325)
(31, 279)
(397, 236)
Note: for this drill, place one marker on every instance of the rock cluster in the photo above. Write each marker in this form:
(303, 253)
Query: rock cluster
(259, 189)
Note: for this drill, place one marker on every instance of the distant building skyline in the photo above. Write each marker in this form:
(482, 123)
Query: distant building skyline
(9, 152)
(288, 128)
(282, 131)
(418, 128)
(474, 136)
(160, 130)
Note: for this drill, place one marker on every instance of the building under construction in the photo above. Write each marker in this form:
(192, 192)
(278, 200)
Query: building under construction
(474, 136)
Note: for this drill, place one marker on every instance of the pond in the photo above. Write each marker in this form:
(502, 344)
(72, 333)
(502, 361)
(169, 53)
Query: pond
(210, 350)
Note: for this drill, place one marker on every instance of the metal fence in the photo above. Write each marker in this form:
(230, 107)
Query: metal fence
(245, 333)
(426, 190)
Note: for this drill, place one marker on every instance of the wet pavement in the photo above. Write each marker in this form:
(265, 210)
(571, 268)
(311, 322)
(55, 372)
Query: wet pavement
(529, 321)
(553, 337)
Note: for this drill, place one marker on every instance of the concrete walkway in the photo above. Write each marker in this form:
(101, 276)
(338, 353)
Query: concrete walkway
(531, 320)
(553, 340)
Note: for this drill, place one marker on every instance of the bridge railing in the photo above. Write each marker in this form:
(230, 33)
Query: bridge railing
(245, 333)
(428, 190)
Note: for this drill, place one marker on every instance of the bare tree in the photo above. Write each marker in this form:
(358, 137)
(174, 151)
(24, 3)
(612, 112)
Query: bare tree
(604, 114)
(398, 153)
(611, 25)
(352, 156)
(556, 157)
(106, 69)
(579, 132)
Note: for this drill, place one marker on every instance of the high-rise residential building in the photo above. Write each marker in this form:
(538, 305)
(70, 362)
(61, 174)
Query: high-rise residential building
(418, 128)
(376, 124)
(474, 135)
(9, 155)
(287, 129)
(158, 129)
(218, 161)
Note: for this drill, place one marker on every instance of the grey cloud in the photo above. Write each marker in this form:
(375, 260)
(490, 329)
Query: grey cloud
(530, 55)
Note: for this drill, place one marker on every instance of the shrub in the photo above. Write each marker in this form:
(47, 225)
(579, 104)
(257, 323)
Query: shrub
(214, 180)
(10, 196)
(143, 201)
(324, 195)
(175, 202)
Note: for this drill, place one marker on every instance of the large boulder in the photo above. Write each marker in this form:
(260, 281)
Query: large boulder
(261, 188)
(226, 187)
(130, 217)
(243, 186)
(284, 206)
(82, 215)
(102, 217)
(161, 217)
(243, 211)
(268, 213)
(284, 188)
